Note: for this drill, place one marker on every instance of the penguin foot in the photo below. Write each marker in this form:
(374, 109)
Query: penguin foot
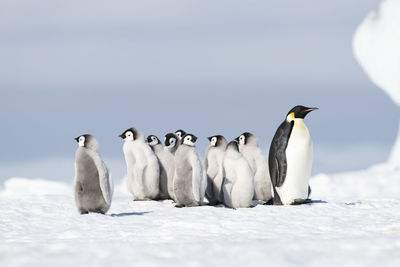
(213, 203)
(301, 201)
(270, 202)
(179, 206)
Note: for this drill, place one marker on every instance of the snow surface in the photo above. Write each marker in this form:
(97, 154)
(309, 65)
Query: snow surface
(357, 223)
(376, 46)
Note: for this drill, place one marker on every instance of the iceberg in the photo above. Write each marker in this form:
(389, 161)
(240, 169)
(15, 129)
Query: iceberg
(376, 46)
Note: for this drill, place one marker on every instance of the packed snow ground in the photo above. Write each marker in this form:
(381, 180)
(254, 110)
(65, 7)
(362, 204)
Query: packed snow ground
(357, 223)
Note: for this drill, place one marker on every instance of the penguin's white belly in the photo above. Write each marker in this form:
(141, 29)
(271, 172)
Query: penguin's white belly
(299, 157)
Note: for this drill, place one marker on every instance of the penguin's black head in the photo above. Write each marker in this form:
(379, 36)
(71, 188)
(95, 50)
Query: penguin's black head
(243, 138)
(180, 133)
(217, 140)
(129, 134)
(233, 145)
(188, 139)
(170, 140)
(153, 140)
(299, 112)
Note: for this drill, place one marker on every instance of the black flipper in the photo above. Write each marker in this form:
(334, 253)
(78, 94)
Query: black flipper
(210, 191)
(277, 153)
(309, 191)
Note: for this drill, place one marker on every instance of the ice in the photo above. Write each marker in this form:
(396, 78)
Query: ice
(376, 47)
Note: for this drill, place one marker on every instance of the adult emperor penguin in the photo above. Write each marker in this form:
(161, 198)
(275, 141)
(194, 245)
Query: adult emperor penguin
(189, 181)
(238, 184)
(166, 162)
(142, 166)
(214, 168)
(171, 144)
(180, 133)
(290, 159)
(248, 146)
(93, 184)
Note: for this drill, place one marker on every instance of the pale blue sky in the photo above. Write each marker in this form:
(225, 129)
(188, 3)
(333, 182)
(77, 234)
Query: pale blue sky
(99, 67)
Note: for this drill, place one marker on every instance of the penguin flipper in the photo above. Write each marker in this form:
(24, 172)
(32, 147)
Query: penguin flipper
(227, 188)
(197, 174)
(105, 179)
(277, 153)
(210, 190)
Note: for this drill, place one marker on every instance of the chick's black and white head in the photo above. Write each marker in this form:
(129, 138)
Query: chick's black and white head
(217, 140)
(180, 133)
(87, 141)
(170, 140)
(299, 112)
(244, 138)
(153, 140)
(189, 139)
(129, 134)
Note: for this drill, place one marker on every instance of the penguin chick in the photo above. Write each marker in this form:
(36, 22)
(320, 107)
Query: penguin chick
(238, 184)
(214, 168)
(290, 159)
(189, 181)
(180, 133)
(166, 162)
(171, 142)
(248, 146)
(93, 184)
(143, 170)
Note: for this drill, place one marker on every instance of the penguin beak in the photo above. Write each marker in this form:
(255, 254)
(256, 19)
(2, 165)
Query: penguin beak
(209, 138)
(76, 139)
(310, 109)
(121, 135)
(237, 139)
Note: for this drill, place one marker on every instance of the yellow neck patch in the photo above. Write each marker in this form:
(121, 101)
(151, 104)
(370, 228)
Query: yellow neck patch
(290, 117)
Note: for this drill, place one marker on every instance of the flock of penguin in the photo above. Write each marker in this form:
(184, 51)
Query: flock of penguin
(233, 174)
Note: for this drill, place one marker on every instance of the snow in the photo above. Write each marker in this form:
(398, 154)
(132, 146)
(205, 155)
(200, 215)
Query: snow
(376, 47)
(356, 223)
